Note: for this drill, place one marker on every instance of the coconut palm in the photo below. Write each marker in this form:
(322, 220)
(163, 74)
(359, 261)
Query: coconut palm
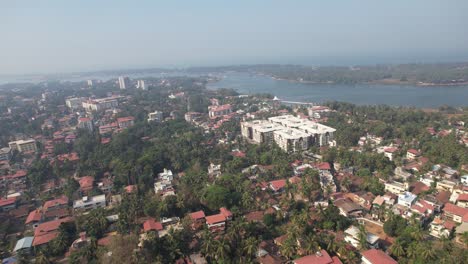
(42, 258)
(250, 247)
(397, 249)
(289, 248)
(362, 237)
(222, 250)
(427, 252)
(311, 244)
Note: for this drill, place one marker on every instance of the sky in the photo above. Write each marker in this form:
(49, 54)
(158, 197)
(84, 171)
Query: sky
(86, 35)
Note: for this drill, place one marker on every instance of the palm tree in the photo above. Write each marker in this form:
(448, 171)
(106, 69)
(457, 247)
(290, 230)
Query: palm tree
(362, 237)
(288, 248)
(331, 244)
(342, 250)
(412, 251)
(222, 249)
(42, 258)
(251, 247)
(397, 249)
(464, 238)
(311, 245)
(426, 251)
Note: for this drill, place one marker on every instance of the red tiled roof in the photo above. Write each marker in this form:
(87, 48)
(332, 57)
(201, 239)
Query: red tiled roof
(225, 212)
(125, 119)
(105, 241)
(86, 183)
(50, 226)
(130, 188)
(254, 216)
(44, 239)
(419, 187)
(322, 258)
(18, 174)
(463, 197)
(449, 224)
(213, 219)
(323, 166)
(34, 216)
(390, 149)
(220, 108)
(456, 210)
(238, 154)
(7, 201)
(197, 215)
(375, 256)
(413, 151)
(152, 224)
(56, 202)
(278, 184)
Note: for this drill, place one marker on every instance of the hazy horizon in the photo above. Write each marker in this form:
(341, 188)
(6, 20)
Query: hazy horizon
(46, 37)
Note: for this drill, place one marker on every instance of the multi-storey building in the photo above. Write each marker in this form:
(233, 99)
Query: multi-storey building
(219, 110)
(124, 82)
(74, 103)
(28, 145)
(85, 123)
(96, 105)
(156, 116)
(88, 203)
(125, 122)
(5, 153)
(289, 132)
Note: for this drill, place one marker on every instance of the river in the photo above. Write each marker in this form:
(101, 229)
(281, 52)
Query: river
(362, 94)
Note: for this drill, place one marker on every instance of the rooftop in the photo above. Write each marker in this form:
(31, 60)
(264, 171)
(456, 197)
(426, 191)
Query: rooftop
(375, 256)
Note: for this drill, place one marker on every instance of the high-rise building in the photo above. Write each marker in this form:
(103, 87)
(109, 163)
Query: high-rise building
(141, 85)
(124, 82)
(90, 83)
(156, 116)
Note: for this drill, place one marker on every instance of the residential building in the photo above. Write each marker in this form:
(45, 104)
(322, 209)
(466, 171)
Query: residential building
(396, 187)
(375, 256)
(454, 213)
(5, 153)
(85, 123)
(219, 110)
(156, 116)
(125, 122)
(74, 103)
(438, 228)
(96, 105)
(406, 199)
(26, 146)
(352, 237)
(320, 257)
(7, 204)
(412, 154)
(462, 200)
(390, 152)
(124, 82)
(446, 185)
(348, 208)
(289, 132)
(141, 85)
(88, 203)
(109, 128)
(190, 116)
(216, 222)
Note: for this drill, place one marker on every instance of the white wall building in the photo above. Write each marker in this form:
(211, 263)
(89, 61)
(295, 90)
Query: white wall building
(28, 145)
(124, 82)
(289, 132)
(141, 85)
(156, 116)
(88, 203)
(74, 103)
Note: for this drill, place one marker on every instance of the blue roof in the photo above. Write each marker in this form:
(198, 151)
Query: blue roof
(25, 242)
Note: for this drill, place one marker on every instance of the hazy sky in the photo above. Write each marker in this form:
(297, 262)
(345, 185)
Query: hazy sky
(41, 36)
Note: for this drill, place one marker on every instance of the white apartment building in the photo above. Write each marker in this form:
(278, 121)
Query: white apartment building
(396, 187)
(289, 132)
(124, 82)
(96, 105)
(141, 85)
(28, 145)
(88, 203)
(156, 116)
(85, 123)
(74, 103)
(5, 153)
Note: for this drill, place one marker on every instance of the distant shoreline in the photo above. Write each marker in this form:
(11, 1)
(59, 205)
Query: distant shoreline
(383, 81)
